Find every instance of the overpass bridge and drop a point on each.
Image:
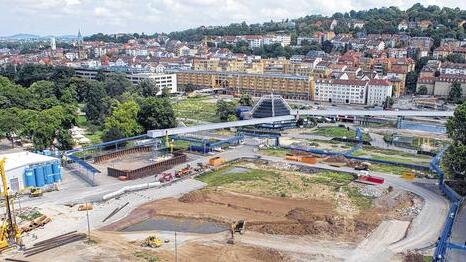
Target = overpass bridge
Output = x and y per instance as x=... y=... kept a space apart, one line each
x=294 y=115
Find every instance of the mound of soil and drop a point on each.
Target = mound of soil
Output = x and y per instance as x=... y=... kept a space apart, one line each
x=194 y=197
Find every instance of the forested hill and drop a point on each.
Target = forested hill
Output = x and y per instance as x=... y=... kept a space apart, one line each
x=446 y=22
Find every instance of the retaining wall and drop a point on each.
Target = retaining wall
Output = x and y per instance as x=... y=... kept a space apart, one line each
x=150 y=169
x=121 y=153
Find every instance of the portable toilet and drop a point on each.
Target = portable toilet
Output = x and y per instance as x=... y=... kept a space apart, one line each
x=29 y=178
x=56 y=172
x=39 y=175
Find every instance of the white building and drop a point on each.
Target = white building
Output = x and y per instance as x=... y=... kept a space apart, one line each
x=53 y=44
x=377 y=91
x=340 y=91
x=453 y=69
x=161 y=80
x=16 y=165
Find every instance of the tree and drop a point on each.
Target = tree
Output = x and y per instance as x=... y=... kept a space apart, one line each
x=456 y=152
x=12 y=95
x=388 y=103
x=225 y=109
x=147 y=87
x=44 y=92
x=11 y=124
x=411 y=81
x=456 y=58
x=123 y=120
x=156 y=113
x=422 y=90
x=327 y=46
x=116 y=84
x=166 y=92
x=456 y=93
x=246 y=100
x=188 y=88
x=95 y=106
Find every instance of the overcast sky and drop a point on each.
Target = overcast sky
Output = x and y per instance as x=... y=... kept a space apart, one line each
x=60 y=17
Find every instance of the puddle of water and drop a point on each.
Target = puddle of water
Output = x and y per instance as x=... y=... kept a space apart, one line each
x=178 y=225
x=235 y=170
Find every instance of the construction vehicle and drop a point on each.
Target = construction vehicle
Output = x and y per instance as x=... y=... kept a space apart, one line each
x=10 y=234
x=236 y=227
x=183 y=172
x=240 y=226
x=36 y=192
x=165 y=177
x=152 y=241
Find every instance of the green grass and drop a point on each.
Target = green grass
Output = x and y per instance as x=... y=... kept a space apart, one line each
x=392 y=155
x=96 y=137
x=333 y=179
x=277 y=152
x=427 y=259
x=219 y=178
x=359 y=200
x=146 y=256
x=178 y=144
x=334 y=131
x=196 y=108
x=396 y=170
x=342 y=181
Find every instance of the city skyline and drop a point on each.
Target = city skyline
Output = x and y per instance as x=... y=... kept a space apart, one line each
x=66 y=17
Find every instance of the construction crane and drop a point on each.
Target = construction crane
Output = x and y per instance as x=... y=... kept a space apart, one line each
x=9 y=232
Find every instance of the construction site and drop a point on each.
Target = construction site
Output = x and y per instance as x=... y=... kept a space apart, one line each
x=330 y=192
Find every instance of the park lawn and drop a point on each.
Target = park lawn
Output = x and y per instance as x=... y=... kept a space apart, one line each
x=92 y=132
x=197 y=109
x=335 y=131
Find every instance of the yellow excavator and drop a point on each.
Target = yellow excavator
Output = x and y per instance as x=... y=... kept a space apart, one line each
x=152 y=241
x=10 y=235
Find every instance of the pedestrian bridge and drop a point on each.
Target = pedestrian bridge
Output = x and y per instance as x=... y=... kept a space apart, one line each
x=293 y=115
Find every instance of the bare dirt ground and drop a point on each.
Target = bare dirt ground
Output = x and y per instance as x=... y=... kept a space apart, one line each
x=269 y=215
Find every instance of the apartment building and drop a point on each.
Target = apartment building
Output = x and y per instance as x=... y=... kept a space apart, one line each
x=347 y=91
x=159 y=79
x=288 y=86
x=340 y=91
x=377 y=91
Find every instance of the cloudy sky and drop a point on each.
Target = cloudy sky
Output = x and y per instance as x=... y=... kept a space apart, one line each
x=58 y=17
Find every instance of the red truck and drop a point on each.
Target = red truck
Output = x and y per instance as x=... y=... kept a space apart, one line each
x=368 y=179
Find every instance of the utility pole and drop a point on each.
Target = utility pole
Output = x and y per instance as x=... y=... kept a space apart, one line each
x=176 y=249
x=88 y=225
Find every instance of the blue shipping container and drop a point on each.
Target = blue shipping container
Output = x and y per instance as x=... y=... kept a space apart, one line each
x=39 y=175
x=49 y=174
x=56 y=172
x=29 y=178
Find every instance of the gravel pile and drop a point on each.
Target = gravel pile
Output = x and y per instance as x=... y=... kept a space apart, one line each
x=371 y=190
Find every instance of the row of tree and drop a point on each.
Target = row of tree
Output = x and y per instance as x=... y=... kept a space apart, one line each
x=41 y=104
